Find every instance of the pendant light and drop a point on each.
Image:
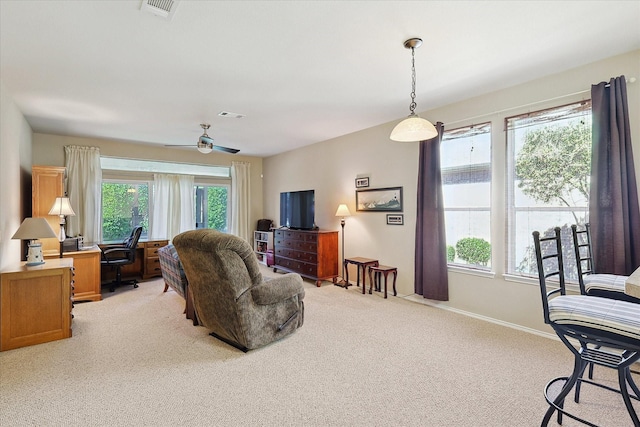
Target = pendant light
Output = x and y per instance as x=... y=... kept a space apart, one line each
x=413 y=128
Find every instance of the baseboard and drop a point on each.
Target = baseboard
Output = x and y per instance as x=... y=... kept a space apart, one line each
x=414 y=298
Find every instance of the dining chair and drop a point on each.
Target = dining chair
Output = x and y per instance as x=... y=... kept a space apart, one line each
x=606 y=331
x=592 y=283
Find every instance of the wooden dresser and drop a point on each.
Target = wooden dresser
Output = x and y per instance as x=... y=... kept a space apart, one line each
x=311 y=254
x=35 y=303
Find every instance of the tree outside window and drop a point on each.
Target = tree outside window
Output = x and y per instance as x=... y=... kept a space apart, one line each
x=550 y=161
x=212 y=207
x=125 y=205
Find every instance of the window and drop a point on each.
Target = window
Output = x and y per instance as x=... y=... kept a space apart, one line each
x=212 y=207
x=466 y=185
x=124 y=205
x=548 y=170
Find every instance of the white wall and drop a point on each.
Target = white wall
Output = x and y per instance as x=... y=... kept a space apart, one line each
x=330 y=168
x=15 y=176
x=49 y=150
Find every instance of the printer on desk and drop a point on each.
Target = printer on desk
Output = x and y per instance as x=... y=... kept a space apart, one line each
x=72 y=244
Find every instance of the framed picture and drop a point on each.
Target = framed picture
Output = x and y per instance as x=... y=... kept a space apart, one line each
x=395 y=219
x=379 y=200
x=362 y=182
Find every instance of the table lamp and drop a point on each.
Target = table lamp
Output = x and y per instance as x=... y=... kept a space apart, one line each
x=32 y=229
x=61 y=207
x=343 y=211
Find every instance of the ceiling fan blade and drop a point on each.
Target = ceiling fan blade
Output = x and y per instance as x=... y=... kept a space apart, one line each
x=206 y=139
x=181 y=145
x=226 y=149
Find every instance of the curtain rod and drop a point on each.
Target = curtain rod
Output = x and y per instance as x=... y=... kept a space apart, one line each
x=629 y=80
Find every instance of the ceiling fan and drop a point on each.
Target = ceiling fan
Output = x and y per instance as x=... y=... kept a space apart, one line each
x=205 y=143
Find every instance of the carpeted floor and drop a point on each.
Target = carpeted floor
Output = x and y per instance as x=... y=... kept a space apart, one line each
x=359 y=360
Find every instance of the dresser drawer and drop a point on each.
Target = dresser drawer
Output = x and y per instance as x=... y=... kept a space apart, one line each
x=152 y=266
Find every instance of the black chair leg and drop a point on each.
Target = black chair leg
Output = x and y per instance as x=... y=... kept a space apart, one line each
x=119 y=282
x=558 y=402
x=623 y=374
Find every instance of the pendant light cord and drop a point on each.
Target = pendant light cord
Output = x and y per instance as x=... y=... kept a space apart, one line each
x=413 y=104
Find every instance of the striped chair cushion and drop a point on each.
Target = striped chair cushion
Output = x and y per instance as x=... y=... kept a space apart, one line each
x=604 y=282
x=609 y=315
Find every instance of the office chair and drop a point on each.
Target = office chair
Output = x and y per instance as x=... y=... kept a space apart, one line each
x=121 y=255
x=607 y=331
x=592 y=283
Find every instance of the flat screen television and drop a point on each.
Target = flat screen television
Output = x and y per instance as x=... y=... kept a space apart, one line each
x=297 y=210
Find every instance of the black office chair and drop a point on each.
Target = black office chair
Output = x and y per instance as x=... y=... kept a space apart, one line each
x=599 y=325
x=592 y=283
x=118 y=256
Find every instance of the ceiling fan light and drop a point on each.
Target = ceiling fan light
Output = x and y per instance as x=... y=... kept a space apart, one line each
x=205 y=148
x=413 y=129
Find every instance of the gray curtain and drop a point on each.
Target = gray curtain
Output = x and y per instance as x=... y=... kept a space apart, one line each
x=613 y=206
x=432 y=280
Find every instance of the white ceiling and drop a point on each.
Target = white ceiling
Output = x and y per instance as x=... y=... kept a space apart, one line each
x=301 y=71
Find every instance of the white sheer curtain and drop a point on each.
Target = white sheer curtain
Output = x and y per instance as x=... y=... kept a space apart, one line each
x=240 y=200
x=173 y=205
x=84 y=189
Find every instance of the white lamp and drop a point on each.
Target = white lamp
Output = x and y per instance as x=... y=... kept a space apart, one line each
x=32 y=229
x=413 y=128
x=61 y=207
x=343 y=211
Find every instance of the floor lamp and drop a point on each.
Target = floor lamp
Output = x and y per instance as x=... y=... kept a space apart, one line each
x=343 y=211
x=62 y=207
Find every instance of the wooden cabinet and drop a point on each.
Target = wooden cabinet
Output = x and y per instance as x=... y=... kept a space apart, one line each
x=47 y=183
x=311 y=254
x=35 y=303
x=86 y=265
x=262 y=243
x=151 y=260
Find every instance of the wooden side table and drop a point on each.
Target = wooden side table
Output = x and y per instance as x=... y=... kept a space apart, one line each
x=360 y=263
x=375 y=272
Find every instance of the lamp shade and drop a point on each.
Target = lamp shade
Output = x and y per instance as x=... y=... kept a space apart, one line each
x=62 y=206
x=34 y=228
x=343 y=210
x=413 y=129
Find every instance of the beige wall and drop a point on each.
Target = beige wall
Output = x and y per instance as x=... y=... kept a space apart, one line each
x=49 y=150
x=15 y=176
x=331 y=167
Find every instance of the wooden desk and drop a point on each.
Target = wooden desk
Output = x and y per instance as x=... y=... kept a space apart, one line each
x=86 y=264
x=146 y=265
x=632 y=285
x=360 y=263
x=35 y=303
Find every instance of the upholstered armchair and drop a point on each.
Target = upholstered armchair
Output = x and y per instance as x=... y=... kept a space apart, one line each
x=174 y=278
x=229 y=293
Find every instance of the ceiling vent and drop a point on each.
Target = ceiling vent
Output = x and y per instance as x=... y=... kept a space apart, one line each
x=231 y=115
x=162 y=8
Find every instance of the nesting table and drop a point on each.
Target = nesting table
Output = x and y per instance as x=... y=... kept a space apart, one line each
x=375 y=273
x=361 y=264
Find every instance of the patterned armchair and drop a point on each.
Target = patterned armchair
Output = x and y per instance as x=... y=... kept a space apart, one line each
x=174 y=277
x=230 y=295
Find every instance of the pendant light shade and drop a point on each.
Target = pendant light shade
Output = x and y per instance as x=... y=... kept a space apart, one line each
x=414 y=128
